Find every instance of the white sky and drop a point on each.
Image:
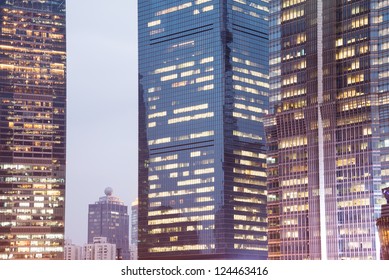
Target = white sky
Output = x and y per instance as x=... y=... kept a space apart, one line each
x=102 y=107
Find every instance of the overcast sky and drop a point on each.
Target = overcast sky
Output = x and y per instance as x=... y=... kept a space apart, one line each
x=102 y=126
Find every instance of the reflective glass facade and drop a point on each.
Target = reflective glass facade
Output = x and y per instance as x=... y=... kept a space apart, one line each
x=32 y=129
x=383 y=87
x=324 y=129
x=383 y=92
x=109 y=218
x=203 y=93
x=134 y=223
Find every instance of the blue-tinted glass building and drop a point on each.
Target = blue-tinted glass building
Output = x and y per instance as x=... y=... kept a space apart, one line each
x=203 y=92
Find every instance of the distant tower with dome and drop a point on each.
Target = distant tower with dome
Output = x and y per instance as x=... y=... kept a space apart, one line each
x=109 y=218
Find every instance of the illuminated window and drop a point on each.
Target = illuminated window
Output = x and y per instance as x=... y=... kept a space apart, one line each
x=169 y=77
x=174 y=9
x=206 y=60
x=154 y=23
x=191 y=118
x=293 y=13
x=198 y=2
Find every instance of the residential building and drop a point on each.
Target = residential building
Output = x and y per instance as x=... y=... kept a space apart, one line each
x=109 y=218
x=328 y=106
x=32 y=129
x=72 y=251
x=203 y=93
x=100 y=249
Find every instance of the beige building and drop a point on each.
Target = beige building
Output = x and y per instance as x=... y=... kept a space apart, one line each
x=72 y=251
x=100 y=249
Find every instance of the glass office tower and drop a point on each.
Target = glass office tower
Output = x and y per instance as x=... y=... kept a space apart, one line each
x=32 y=129
x=134 y=230
x=383 y=90
x=134 y=223
x=324 y=132
x=383 y=87
x=203 y=93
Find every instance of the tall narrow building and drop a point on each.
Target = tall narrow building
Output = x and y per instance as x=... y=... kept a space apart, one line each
x=32 y=129
x=109 y=218
x=134 y=231
x=323 y=132
x=203 y=93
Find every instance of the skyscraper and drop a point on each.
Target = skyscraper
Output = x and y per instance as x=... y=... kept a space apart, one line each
x=203 y=92
x=32 y=128
x=109 y=218
x=324 y=134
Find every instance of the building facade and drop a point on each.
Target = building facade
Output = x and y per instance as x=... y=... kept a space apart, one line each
x=72 y=251
x=383 y=227
x=324 y=132
x=32 y=129
x=134 y=231
x=109 y=218
x=203 y=93
x=100 y=249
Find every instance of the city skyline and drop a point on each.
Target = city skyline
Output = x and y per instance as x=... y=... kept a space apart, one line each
x=89 y=39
